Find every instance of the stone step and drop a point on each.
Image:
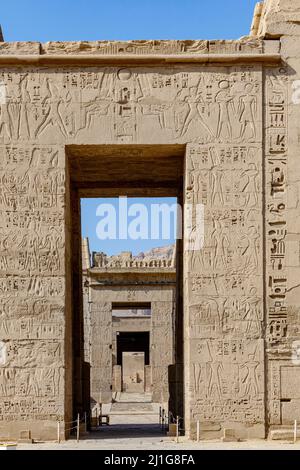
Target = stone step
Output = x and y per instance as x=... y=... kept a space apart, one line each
x=283 y=434
x=133 y=397
x=129 y=408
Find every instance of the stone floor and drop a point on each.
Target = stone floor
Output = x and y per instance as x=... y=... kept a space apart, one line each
x=144 y=441
x=134 y=425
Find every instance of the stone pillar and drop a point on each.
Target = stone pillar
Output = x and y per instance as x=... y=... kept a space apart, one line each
x=117 y=378
x=33 y=320
x=101 y=354
x=223 y=303
x=162 y=348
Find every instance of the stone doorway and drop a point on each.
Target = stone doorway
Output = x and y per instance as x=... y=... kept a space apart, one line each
x=133 y=372
x=113 y=171
x=133 y=359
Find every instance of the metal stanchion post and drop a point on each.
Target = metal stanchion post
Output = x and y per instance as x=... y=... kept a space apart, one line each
x=177 y=429
x=78 y=424
x=58 y=432
x=198 y=431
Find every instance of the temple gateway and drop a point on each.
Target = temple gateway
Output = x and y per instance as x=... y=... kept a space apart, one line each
x=211 y=333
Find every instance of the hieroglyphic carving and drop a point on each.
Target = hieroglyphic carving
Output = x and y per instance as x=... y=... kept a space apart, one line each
x=219 y=110
x=31 y=408
x=30 y=382
x=227 y=380
x=225 y=277
x=276 y=194
x=145 y=47
x=125 y=102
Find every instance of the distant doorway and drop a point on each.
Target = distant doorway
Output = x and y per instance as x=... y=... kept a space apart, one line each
x=133 y=357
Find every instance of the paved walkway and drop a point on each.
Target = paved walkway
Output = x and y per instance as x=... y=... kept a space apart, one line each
x=156 y=442
x=134 y=426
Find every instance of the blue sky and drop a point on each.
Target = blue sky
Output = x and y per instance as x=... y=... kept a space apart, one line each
x=67 y=20
x=91 y=221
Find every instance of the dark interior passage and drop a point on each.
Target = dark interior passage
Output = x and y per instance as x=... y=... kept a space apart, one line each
x=133 y=342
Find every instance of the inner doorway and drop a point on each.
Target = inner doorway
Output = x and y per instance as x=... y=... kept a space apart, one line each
x=133 y=358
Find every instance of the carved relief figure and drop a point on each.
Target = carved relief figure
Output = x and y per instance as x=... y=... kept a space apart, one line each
x=220 y=243
x=196 y=111
x=199 y=378
x=2 y=353
x=250 y=381
x=251 y=311
x=247 y=110
x=5 y=122
x=217 y=193
x=53 y=99
x=251 y=188
x=226 y=105
x=251 y=252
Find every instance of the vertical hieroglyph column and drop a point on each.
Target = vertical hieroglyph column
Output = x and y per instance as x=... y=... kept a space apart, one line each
x=281 y=18
x=276 y=167
x=224 y=346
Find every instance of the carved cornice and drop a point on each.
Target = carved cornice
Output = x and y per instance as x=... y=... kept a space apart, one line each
x=139 y=52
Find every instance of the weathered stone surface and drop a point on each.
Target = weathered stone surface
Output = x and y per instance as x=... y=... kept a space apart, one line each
x=92 y=122
x=144 y=284
x=20 y=48
x=280 y=18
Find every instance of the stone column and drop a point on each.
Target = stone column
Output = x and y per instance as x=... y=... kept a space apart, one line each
x=101 y=353
x=162 y=348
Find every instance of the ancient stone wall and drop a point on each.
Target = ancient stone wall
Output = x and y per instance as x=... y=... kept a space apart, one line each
x=103 y=338
x=235 y=106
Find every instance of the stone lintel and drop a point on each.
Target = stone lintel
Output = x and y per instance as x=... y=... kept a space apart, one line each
x=92 y=60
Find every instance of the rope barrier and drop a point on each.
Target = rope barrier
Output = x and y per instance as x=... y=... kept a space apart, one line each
x=76 y=428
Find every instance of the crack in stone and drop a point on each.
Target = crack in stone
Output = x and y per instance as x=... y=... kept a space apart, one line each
x=292 y=288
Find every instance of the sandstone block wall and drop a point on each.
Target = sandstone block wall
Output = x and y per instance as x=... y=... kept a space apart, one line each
x=234 y=106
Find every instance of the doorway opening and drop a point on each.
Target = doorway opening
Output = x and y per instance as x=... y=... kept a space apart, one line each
x=133 y=357
x=125 y=308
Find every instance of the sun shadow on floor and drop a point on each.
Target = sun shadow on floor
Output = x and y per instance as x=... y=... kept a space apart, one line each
x=125 y=431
